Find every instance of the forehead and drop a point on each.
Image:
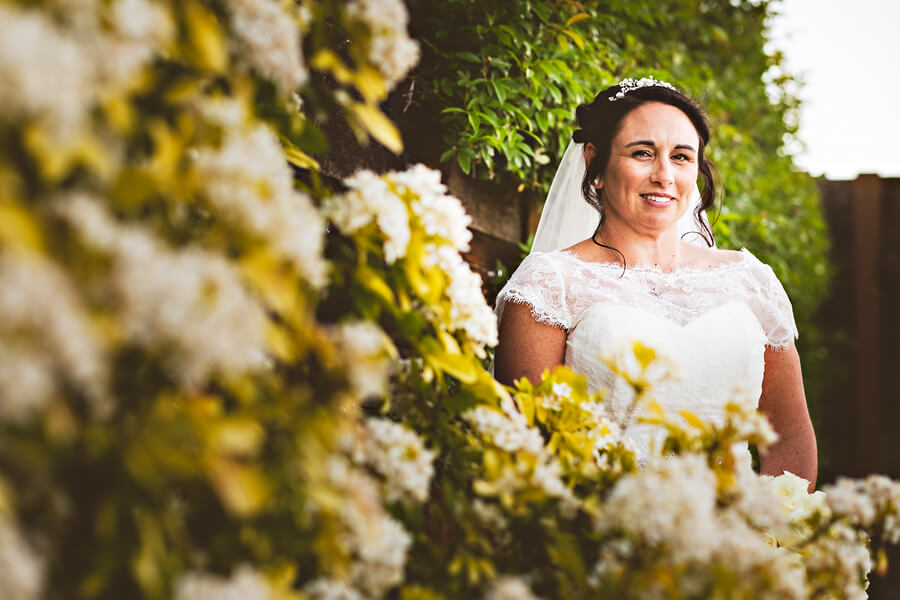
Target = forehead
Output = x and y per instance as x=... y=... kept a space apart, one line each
x=658 y=122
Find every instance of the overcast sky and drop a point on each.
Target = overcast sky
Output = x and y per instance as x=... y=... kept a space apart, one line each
x=848 y=54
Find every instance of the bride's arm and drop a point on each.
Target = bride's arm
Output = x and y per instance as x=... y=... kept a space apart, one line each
x=526 y=346
x=784 y=403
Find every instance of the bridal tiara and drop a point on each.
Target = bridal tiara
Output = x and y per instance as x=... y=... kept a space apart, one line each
x=629 y=85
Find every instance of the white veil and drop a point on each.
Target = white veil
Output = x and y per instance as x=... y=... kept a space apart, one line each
x=567 y=218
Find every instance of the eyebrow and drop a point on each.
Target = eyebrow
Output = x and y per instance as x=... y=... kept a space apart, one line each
x=649 y=143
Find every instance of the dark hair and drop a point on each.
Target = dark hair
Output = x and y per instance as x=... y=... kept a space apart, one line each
x=600 y=120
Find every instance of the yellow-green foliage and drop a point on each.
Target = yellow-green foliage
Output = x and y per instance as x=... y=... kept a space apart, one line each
x=203 y=395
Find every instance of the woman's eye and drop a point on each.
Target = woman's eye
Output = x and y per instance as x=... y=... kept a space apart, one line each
x=682 y=158
x=640 y=153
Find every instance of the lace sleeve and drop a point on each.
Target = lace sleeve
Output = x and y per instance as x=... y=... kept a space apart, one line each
x=538 y=283
x=771 y=305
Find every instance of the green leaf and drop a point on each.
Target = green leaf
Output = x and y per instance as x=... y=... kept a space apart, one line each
x=465 y=162
x=469 y=57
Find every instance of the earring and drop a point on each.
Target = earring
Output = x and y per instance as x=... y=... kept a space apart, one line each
x=596 y=181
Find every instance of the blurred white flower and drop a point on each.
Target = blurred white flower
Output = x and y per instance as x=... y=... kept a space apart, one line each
x=249 y=181
x=367 y=353
x=44 y=74
x=840 y=561
x=399 y=455
x=190 y=304
x=139 y=32
x=672 y=502
x=21 y=569
x=331 y=589
x=267 y=39
x=244 y=584
x=510 y=588
x=377 y=543
x=849 y=497
x=390 y=48
x=44 y=334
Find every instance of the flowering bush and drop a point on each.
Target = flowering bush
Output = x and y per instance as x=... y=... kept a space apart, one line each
x=203 y=395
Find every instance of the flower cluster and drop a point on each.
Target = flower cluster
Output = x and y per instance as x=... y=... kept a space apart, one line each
x=21 y=569
x=44 y=74
x=390 y=48
x=507 y=428
x=672 y=506
x=468 y=310
x=367 y=353
x=46 y=339
x=249 y=183
x=397 y=454
x=266 y=39
x=865 y=502
x=510 y=588
x=439 y=214
x=398 y=203
x=139 y=30
x=244 y=584
x=331 y=589
x=376 y=543
x=371 y=199
x=190 y=301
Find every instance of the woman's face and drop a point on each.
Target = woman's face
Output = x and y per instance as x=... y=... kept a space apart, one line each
x=652 y=169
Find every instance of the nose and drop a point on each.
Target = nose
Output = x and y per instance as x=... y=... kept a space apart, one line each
x=662 y=172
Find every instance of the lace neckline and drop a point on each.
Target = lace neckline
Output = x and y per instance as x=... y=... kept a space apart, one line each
x=654 y=270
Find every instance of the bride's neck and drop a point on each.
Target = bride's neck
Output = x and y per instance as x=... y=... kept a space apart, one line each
x=661 y=251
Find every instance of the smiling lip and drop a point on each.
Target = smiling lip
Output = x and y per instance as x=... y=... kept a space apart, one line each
x=657 y=199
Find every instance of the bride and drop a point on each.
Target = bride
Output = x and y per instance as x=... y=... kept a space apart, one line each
x=611 y=265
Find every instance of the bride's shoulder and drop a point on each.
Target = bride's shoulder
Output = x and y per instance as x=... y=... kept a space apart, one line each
x=704 y=259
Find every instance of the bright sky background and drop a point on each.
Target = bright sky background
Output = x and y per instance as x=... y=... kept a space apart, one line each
x=848 y=54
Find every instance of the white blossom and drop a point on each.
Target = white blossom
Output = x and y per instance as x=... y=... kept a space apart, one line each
x=45 y=332
x=367 y=353
x=670 y=511
x=390 y=48
x=267 y=39
x=848 y=497
x=507 y=429
x=510 y=588
x=376 y=543
x=44 y=74
x=399 y=455
x=244 y=584
x=840 y=560
x=139 y=32
x=250 y=182
x=331 y=589
x=440 y=214
x=370 y=198
x=21 y=569
x=671 y=502
x=189 y=303
x=796 y=501
x=468 y=310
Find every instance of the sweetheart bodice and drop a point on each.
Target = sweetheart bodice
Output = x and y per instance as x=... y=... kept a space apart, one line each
x=700 y=366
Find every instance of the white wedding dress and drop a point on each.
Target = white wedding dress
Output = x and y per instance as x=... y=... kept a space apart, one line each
x=712 y=325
